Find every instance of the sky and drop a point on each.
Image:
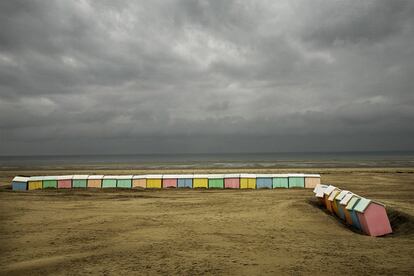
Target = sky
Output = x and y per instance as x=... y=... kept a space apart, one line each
x=181 y=76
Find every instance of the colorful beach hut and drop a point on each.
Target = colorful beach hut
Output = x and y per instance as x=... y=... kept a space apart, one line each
x=280 y=181
x=109 y=181
x=332 y=202
x=95 y=181
x=154 y=181
x=169 y=181
x=319 y=193
x=200 y=181
x=216 y=181
x=79 y=181
x=373 y=217
x=19 y=183
x=311 y=180
x=185 y=181
x=264 y=181
x=124 y=181
x=297 y=180
x=247 y=181
x=50 y=182
x=35 y=183
x=139 y=181
x=340 y=210
x=351 y=209
x=327 y=192
x=232 y=181
x=64 y=181
x=343 y=203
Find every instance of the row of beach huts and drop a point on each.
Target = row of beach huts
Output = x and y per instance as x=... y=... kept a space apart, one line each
x=365 y=215
x=158 y=181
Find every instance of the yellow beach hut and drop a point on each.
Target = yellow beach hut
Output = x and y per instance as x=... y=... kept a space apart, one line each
x=247 y=181
x=154 y=181
x=35 y=183
x=200 y=181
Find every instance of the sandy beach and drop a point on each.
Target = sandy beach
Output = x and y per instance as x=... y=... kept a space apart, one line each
x=190 y=232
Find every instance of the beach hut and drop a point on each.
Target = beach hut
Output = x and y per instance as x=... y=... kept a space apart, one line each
x=185 y=181
x=139 y=181
x=35 y=183
x=50 y=182
x=319 y=193
x=296 y=180
x=79 y=181
x=19 y=183
x=373 y=217
x=64 y=181
x=216 y=181
x=340 y=210
x=247 y=181
x=351 y=209
x=154 y=181
x=169 y=181
x=95 y=181
x=232 y=181
x=332 y=202
x=280 y=181
x=327 y=192
x=343 y=203
x=109 y=181
x=311 y=180
x=200 y=181
x=124 y=181
x=264 y=181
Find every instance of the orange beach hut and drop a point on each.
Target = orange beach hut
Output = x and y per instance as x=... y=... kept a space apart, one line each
x=139 y=181
x=95 y=181
x=311 y=180
x=343 y=203
x=327 y=192
x=340 y=212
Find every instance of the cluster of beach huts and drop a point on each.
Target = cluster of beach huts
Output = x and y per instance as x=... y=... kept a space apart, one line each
x=365 y=215
x=158 y=181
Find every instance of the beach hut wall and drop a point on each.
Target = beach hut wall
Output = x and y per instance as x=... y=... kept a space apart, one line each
x=154 y=181
x=200 y=181
x=232 y=181
x=216 y=181
x=296 y=181
x=64 y=181
x=264 y=181
x=169 y=181
x=247 y=181
x=332 y=202
x=19 y=183
x=350 y=207
x=79 y=181
x=280 y=181
x=139 y=181
x=50 y=182
x=185 y=181
x=340 y=210
x=343 y=203
x=311 y=180
x=373 y=217
x=95 y=181
x=35 y=183
x=124 y=181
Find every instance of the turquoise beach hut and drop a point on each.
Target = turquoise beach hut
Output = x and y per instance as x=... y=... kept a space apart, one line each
x=280 y=181
x=124 y=181
x=79 y=181
x=296 y=180
x=353 y=202
x=109 y=181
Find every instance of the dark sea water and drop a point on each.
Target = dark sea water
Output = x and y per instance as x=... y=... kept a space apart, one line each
x=220 y=160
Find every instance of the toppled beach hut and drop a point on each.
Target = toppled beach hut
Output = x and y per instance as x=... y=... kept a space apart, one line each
x=280 y=181
x=139 y=181
x=154 y=181
x=327 y=192
x=216 y=181
x=296 y=180
x=185 y=181
x=169 y=181
x=200 y=181
x=340 y=210
x=79 y=181
x=319 y=193
x=311 y=180
x=35 y=183
x=232 y=181
x=19 y=183
x=124 y=181
x=50 y=182
x=247 y=181
x=351 y=209
x=343 y=203
x=332 y=202
x=264 y=181
x=95 y=181
x=109 y=181
x=373 y=217
x=64 y=181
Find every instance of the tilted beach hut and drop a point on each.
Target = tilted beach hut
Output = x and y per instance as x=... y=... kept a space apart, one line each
x=200 y=181
x=124 y=181
x=351 y=209
x=343 y=203
x=280 y=181
x=373 y=217
x=139 y=181
x=264 y=181
x=109 y=181
x=247 y=181
x=50 y=182
x=216 y=181
x=331 y=199
x=327 y=192
x=232 y=181
x=64 y=181
x=311 y=180
x=340 y=210
x=154 y=181
x=297 y=180
x=319 y=193
x=35 y=183
x=19 y=183
x=95 y=181
x=185 y=181
x=169 y=181
x=79 y=181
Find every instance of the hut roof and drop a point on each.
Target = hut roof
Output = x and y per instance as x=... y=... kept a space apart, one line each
x=215 y=176
x=329 y=189
x=296 y=175
x=280 y=175
x=319 y=187
x=139 y=176
x=96 y=176
x=334 y=194
x=154 y=176
x=50 y=177
x=36 y=178
x=64 y=177
x=124 y=176
x=352 y=203
x=313 y=175
x=248 y=175
x=364 y=203
x=346 y=198
x=200 y=176
x=20 y=179
x=232 y=175
x=341 y=195
x=264 y=175
x=80 y=176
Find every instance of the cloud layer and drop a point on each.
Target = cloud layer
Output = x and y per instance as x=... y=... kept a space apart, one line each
x=195 y=76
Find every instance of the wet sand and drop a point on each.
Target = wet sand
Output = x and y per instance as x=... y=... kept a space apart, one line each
x=190 y=232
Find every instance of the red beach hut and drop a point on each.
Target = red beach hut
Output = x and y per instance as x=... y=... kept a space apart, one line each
x=64 y=181
x=373 y=218
x=232 y=181
x=169 y=181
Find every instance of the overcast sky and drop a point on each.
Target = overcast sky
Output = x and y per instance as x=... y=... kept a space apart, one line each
x=206 y=76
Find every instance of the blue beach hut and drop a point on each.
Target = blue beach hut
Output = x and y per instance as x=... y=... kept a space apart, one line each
x=185 y=181
x=19 y=183
x=264 y=181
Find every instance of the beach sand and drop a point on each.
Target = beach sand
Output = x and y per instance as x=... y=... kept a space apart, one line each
x=191 y=232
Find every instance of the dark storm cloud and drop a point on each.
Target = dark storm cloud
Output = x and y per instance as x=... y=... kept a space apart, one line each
x=172 y=76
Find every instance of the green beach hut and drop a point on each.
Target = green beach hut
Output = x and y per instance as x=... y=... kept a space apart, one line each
x=297 y=180
x=79 y=181
x=124 y=181
x=280 y=181
x=109 y=181
x=50 y=182
x=216 y=181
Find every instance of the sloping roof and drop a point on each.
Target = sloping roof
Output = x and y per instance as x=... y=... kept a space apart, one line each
x=319 y=187
x=352 y=203
x=346 y=198
x=329 y=189
x=341 y=195
x=127 y=177
x=139 y=176
x=20 y=179
x=334 y=194
x=362 y=205
x=50 y=177
x=319 y=193
x=170 y=176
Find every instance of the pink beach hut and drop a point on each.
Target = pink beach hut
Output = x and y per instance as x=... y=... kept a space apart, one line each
x=232 y=181
x=373 y=218
x=169 y=181
x=64 y=181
